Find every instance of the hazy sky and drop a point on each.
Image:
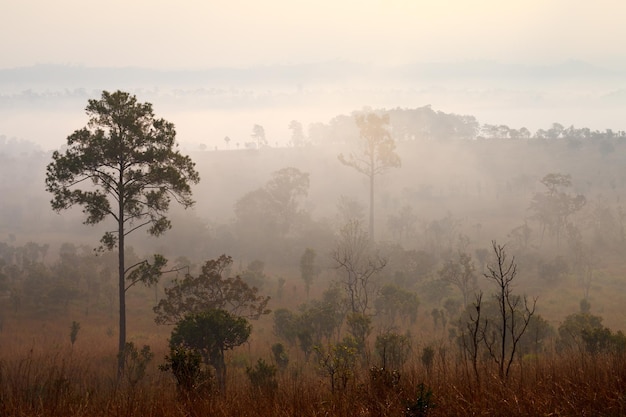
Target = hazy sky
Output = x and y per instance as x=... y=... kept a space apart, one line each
x=190 y=34
x=202 y=34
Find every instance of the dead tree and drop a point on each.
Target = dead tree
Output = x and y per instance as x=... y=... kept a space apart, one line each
x=353 y=256
x=514 y=312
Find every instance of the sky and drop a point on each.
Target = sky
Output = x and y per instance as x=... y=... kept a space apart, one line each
x=200 y=34
x=204 y=34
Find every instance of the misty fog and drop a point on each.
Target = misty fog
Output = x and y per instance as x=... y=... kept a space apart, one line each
x=334 y=208
x=277 y=194
x=209 y=105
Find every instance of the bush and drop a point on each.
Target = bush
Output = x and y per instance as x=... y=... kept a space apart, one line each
x=602 y=340
x=263 y=377
x=186 y=365
x=135 y=362
x=422 y=404
x=280 y=356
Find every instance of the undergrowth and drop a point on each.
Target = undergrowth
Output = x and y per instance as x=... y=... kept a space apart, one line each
x=72 y=385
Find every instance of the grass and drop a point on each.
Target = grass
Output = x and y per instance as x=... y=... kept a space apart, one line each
x=41 y=374
x=69 y=383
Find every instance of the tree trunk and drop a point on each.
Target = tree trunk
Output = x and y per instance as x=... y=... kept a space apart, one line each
x=220 y=370
x=371 y=230
x=122 y=296
x=121 y=283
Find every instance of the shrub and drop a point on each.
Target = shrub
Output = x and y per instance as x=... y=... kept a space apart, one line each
x=186 y=365
x=280 y=356
x=135 y=362
x=263 y=377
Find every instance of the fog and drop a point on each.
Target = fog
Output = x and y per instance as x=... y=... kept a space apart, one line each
x=374 y=176
x=529 y=162
x=43 y=104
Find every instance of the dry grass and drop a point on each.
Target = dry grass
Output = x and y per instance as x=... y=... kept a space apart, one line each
x=70 y=384
x=41 y=375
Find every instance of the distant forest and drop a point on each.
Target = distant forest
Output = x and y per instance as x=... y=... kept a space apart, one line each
x=417 y=124
x=446 y=158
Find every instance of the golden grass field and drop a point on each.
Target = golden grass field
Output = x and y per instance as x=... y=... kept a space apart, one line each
x=41 y=374
x=60 y=382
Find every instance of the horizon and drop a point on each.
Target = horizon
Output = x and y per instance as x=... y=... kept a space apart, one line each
x=522 y=64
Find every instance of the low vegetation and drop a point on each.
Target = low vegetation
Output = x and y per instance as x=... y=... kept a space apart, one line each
x=75 y=384
x=285 y=309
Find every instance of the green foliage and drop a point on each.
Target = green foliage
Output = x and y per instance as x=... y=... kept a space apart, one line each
x=359 y=327
x=145 y=272
x=135 y=362
x=210 y=290
x=211 y=333
x=316 y=322
x=602 y=340
x=338 y=362
x=421 y=406
x=573 y=328
x=321 y=318
x=263 y=377
x=393 y=349
x=186 y=366
x=286 y=325
x=125 y=166
x=537 y=336
x=130 y=159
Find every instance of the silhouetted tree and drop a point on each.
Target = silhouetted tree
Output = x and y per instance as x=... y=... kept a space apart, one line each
x=211 y=289
x=127 y=164
x=354 y=257
x=394 y=302
x=308 y=268
x=274 y=208
x=553 y=208
x=258 y=134
x=376 y=156
x=211 y=333
x=514 y=312
x=461 y=274
x=297 y=133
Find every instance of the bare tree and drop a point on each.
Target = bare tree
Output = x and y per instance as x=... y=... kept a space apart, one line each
x=472 y=335
x=353 y=255
x=514 y=312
